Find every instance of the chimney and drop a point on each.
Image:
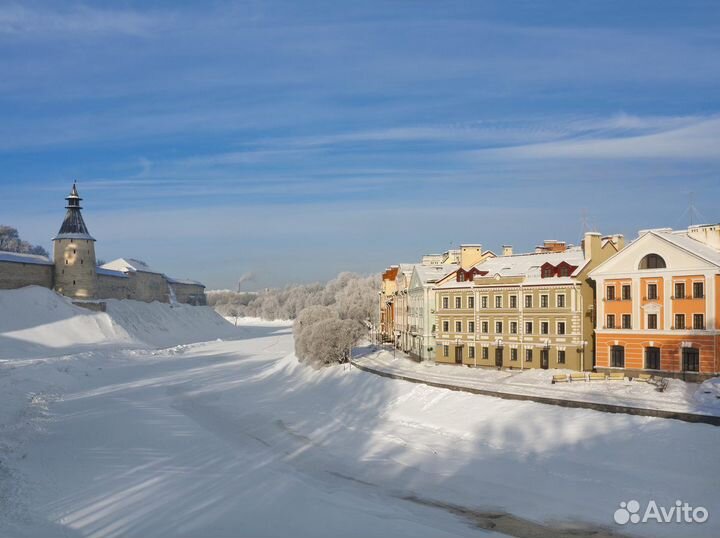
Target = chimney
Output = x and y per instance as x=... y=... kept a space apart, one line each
x=592 y=243
x=507 y=250
x=470 y=255
x=708 y=234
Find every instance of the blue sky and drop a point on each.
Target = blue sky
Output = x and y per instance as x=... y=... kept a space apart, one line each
x=295 y=139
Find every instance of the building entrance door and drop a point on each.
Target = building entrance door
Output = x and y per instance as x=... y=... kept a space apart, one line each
x=544 y=358
x=499 y=357
x=458 y=354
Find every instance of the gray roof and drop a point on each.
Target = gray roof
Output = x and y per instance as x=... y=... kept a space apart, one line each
x=73 y=227
x=110 y=272
x=16 y=257
x=130 y=265
x=184 y=281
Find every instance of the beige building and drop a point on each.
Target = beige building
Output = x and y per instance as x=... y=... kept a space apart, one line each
x=523 y=311
x=74 y=272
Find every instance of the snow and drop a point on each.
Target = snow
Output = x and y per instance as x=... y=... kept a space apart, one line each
x=234 y=437
x=679 y=396
x=37 y=322
x=17 y=257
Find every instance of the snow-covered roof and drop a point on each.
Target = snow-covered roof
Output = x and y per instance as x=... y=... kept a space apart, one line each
x=16 y=257
x=110 y=272
x=681 y=239
x=433 y=273
x=527 y=266
x=184 y=281
x=129 y=265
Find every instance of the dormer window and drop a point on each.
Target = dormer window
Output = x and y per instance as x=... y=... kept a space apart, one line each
x=547 y=271
x=461 y=276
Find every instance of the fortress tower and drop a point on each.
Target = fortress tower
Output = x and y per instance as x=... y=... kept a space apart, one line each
x=74 y=253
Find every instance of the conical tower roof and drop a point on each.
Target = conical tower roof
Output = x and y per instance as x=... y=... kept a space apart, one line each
x=73 y=227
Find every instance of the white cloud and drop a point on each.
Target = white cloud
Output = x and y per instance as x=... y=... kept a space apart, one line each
x=698 y=140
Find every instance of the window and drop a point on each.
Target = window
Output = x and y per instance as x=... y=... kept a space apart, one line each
x=679 y=290
x=626 y=318
x=561 y=356
x=698 y=321
x=81 y=261
x=458 y=302
x=652 y=358
x=617 y=357
x=626 y=292
x=560 y=301
x=679 y=321
x=528 y=355
x=528 y=327
x=548 y=271
x=483 y=301
x=471 y=351
x=485 y=327
x=691 y=359
x=471 y=302
x=544 y=327
x=513 y=327
x=458 y=326
x=73 y=282
x=461 y=276
x=446 y=326
x=652 y=292
x=610 y=293
x=471 y=326
x=652 y=321
x=698 y=290
x=610 y=324
x=446 y=351
x=528 y=301
x=498 y=301
x=561 y=327
x=513 y=354
x=543 y=301
x=563 y=270
x=445 y=301
x=652 y=261
x=513 y=301
x=485 y=352
x=498 y=327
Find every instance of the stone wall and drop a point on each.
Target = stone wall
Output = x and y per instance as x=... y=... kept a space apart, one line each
x=187 y=293
x=114 y=287
x=17 y=275
x=150 y=287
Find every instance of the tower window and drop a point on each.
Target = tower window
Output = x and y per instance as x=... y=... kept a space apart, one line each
x=73 y=282
x=66 y=262
x=81 y=262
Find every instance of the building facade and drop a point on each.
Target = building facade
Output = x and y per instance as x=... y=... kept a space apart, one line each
x=73 y=272
x=523 y=311
x=658 y=304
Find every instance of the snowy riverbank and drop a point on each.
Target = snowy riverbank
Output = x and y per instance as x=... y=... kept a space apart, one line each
x=678 y=397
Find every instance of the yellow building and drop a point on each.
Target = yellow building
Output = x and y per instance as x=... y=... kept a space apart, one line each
x=523 y=311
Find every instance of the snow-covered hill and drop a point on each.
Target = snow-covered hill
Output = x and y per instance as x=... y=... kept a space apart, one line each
x=36 y=322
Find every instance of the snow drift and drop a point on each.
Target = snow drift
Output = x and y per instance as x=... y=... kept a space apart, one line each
x=37 y=322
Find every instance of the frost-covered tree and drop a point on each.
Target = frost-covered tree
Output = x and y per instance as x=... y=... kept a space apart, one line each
x=10 y=242
x=321 y=337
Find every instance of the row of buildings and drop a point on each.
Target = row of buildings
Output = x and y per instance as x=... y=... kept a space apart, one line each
x=74 y=272
x=647 y=307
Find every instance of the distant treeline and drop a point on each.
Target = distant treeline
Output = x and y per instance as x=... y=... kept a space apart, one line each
x=353 y=296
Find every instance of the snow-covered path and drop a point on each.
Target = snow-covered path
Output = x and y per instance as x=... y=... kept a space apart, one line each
x=234 y=438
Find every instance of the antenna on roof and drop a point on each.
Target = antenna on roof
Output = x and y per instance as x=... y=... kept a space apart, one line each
x=692 y=212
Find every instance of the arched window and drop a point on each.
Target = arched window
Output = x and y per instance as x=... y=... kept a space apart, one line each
x=652 y=261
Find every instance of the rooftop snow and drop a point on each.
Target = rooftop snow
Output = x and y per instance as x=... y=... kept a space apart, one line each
x=17 y=257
